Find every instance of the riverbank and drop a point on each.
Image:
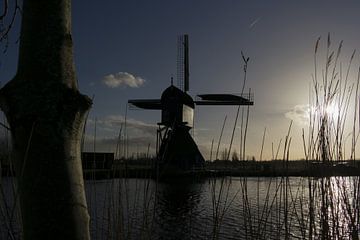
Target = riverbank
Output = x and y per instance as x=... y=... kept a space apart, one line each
x=226 y=168
x=318 y=172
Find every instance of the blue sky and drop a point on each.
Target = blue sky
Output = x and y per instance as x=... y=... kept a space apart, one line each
x=132 y=44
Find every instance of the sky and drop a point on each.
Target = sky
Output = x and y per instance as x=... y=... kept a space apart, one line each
x=127 y=50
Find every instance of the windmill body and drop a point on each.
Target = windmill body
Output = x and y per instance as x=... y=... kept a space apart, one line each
x=177 y=150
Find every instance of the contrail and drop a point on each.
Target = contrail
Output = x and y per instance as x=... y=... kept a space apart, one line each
x=254 y=22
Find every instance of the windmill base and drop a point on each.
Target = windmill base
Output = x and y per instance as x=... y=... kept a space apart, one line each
x=179 y=153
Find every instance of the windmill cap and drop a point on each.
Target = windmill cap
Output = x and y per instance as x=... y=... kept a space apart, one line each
x=174 y=94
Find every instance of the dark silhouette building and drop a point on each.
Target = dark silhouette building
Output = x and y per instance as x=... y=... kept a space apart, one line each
x=177 y=149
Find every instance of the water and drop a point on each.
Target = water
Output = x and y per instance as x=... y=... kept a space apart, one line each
x=222 y=208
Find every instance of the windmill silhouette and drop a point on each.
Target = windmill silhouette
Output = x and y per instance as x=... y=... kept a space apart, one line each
x=176 y=149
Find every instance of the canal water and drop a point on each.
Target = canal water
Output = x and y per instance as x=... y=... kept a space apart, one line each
x=213 y=208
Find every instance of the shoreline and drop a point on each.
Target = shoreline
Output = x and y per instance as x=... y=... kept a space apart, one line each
x=317 y=171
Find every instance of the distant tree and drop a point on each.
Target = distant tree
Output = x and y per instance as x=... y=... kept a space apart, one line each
x=224 y=154
x=46 y=115
x=235 y=156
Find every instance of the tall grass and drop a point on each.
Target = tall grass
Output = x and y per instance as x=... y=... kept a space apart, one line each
x=10 y=218
x=332 y=201
x=258 y=208
x=282 y=207
x=319 y=208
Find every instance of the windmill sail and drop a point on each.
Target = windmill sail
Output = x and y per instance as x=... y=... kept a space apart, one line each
x=224 y=99
x=183 y=62
x=150 y=104
x=177 y=150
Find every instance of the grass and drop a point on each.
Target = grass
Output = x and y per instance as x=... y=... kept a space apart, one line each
x=249 y=208
x=332 y=201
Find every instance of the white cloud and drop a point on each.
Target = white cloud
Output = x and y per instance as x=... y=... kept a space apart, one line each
x=299 y=114
x=139 y=134
x=112 y=123
x=109 y=144
x=123 y=79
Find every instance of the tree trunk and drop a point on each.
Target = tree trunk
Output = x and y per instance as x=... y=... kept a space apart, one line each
x=46 y=114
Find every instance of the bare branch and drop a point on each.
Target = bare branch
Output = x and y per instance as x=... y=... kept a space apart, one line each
x=6 y=8
x=4 y=33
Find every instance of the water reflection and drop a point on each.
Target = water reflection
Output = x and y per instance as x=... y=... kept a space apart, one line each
x=255 y=208
x=178 y=209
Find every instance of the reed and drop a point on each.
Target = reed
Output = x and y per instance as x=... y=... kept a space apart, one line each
x=332 y=216
x=325 y=208
x=10 y=218
x=278 y=208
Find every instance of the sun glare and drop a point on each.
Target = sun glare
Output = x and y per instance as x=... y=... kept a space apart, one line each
x=332 y=110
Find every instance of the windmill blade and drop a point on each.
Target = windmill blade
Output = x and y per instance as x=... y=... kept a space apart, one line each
x=150 y=104
x=224 y=99
x=183 y=62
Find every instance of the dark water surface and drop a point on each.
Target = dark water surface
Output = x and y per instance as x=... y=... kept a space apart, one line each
x=221 y=208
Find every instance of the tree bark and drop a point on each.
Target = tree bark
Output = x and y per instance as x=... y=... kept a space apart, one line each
x=46 y=115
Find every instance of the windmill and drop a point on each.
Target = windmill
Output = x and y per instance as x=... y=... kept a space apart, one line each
x=176 y=149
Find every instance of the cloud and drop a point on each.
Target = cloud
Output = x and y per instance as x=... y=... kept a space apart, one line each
x=112 y=123
x=138 y=134
x=123 y=79
x=109 y=144
x=299 y=114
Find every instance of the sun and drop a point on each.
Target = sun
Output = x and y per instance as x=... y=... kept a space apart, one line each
x=332 y=111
